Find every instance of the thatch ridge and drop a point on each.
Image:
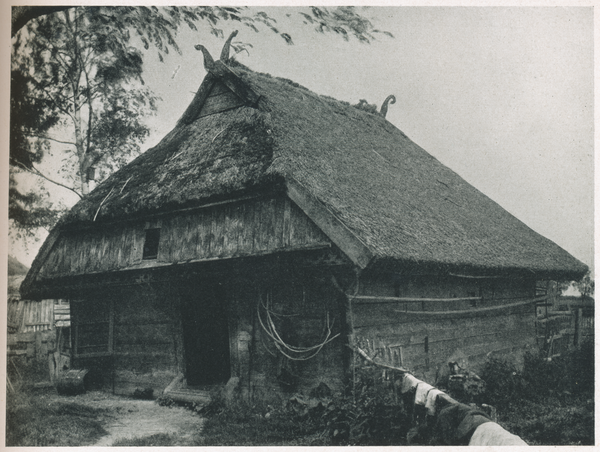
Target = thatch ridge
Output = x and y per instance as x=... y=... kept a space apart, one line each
x=396 y=198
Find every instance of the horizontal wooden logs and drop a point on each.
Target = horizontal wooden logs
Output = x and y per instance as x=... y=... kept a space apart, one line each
x=475 y=312
x=373 y=299
x=376 y=299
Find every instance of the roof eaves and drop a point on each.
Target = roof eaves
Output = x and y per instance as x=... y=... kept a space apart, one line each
x=31 y=277
x=330 y=224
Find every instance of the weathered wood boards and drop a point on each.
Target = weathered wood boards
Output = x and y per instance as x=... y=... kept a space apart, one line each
x=255 y=227
x=422 y=333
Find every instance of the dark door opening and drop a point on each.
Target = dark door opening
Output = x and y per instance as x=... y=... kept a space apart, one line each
x=206 y=336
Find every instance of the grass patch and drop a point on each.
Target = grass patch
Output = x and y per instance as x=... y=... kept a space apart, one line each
x=248 y=427
x=33 y=420
x=552 y=422
x=158 y=440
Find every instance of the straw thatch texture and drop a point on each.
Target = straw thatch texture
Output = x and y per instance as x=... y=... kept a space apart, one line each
x=398 y=200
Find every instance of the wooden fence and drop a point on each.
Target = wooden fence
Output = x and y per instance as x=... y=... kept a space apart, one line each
x=558 y=331
x=39 y=330
x=26 y=316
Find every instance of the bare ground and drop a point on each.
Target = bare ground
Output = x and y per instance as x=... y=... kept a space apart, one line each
x=128 y=418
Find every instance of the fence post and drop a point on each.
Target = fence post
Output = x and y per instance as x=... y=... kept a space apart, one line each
x=578 y=319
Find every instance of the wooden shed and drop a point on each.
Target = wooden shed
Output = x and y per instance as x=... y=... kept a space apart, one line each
x=272 y=231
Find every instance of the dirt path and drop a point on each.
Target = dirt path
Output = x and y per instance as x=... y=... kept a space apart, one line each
x=128 y=418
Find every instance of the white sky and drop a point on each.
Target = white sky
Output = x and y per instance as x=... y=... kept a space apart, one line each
x=503 y=96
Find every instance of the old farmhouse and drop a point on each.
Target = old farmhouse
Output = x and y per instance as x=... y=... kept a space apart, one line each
x=272 y=231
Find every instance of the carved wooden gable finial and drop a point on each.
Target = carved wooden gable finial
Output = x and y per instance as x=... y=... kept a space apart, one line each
x=209 y=62
x=225 y=52
x=391 y=99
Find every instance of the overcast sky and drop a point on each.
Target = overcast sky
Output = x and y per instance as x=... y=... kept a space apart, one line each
x=503 y=96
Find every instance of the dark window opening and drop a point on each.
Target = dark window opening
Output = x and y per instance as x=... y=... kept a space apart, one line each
x=151 y=244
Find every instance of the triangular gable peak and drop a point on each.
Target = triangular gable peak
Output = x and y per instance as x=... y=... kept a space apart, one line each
x=221 y=89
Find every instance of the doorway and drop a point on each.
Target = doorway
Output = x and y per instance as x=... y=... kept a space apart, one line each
x=206 y=336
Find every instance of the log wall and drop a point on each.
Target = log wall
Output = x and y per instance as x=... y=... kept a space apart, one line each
x=146 y=344
x=299 y=309
x=423 y=335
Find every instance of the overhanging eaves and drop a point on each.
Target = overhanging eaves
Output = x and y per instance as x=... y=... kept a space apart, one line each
x=332 y=226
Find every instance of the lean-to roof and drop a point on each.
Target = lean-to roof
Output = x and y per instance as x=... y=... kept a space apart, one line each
x=395 y=199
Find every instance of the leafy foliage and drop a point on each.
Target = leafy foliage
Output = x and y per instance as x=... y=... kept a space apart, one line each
x=548 y=402
x=586 y=285
x=245 y=424
x=368 y=415
x=81 y=65
x=344 y=21
x=29 y=211
x=540 y=377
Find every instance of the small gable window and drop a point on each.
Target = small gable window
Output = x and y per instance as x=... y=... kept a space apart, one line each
x=151 y=243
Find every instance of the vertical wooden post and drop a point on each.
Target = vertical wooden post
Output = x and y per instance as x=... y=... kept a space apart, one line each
x=578 y=319
x=426 y=352
x=111 y=322
x=38 y=344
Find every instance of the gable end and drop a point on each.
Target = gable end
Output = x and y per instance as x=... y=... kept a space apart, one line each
x=220 y=98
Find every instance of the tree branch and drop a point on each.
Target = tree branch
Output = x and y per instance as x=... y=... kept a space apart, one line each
x=385 y=366
x=33 y=170
x=49 y=138
x=23 y=14
x=56 y=104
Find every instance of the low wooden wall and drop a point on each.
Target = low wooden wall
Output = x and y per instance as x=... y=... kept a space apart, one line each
x=423 y=321
x=422 y=343
x=299 y=308
x=38 y=331
x=145 y=347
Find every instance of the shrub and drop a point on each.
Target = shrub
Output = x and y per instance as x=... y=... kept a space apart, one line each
x=581 y=367
x=503 y=382
x=369 y=414
x=550 y=402
x=572 y=373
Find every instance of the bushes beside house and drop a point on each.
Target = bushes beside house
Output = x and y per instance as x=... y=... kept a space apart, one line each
x=548 y=402
x=545 y=403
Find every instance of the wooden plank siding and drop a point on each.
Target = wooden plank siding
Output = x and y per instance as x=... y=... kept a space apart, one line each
x=425 y=345
x=253 y=227
x=442 y=319
x=25 y=316
x=145 y=346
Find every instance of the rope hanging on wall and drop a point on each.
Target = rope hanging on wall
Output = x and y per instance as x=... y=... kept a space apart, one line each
x=289 y=351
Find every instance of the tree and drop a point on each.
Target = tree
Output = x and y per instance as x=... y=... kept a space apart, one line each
x=585 y=285
x=78 y=72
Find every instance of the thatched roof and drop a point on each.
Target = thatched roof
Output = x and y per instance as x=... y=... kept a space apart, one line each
x=395 y=199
